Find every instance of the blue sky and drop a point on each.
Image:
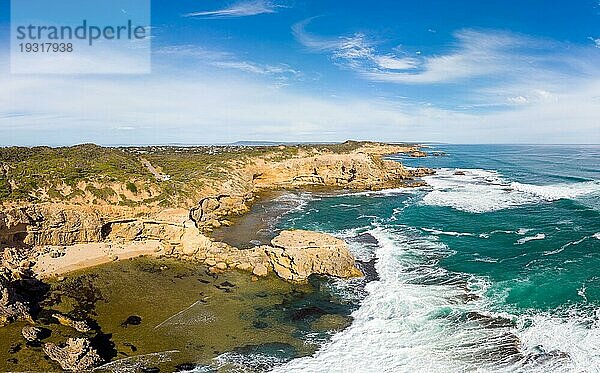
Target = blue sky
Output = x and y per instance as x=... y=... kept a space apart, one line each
x=427 y=71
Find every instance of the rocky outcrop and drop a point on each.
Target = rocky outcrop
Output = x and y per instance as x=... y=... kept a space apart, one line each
x=293 y=256
x=211 y=210
x=353 y=171
x=79 y=325
x=31 y=333
x=76 y=355
x=297 y=254
x=12 y=306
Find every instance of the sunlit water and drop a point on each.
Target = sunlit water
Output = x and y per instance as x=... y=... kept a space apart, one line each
x=494 y=267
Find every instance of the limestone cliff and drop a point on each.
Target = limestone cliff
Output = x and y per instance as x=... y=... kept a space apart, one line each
x=201 y=201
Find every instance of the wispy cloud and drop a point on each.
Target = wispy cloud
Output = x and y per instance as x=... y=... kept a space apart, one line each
x=475 y=54
x=596 y=41
x=226 y=60
x=357 y=52
x=239 y=9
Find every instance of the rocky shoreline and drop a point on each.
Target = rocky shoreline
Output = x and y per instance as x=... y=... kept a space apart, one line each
x=50 y=239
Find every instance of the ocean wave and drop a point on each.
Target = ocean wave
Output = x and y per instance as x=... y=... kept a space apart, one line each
x=573 y=334
x=439 y=232
x=417 y=317
x=480 y=191
x=572 y=243
x=539 y=236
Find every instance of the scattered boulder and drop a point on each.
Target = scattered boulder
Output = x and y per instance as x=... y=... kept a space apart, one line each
x=79 y=325
x=417 y=154
x=76 y=355
x=132 y=320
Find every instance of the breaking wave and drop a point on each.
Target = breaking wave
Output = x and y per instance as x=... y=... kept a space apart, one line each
x=479 y=191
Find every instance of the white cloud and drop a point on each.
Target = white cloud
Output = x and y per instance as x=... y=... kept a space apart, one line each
x=596 y=41
x=226 y=60
x=394 y=63
x=239 y=9
x=205 y=106
x=357 y=52
x=475 y=54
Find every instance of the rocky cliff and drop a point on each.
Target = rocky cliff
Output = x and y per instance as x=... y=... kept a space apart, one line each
x=228 y=187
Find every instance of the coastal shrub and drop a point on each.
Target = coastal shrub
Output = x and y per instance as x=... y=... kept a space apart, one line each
x=132 y=187
x=4 y=188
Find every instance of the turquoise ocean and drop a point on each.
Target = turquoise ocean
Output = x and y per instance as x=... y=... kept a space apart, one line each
x=495 y=266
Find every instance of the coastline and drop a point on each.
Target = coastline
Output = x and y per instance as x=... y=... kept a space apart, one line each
x=230 y=229
x=218 y=221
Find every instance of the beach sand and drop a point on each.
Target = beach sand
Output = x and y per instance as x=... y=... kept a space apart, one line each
x=59 y=260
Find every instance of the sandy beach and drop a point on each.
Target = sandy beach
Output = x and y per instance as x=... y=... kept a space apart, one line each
x=59 y=260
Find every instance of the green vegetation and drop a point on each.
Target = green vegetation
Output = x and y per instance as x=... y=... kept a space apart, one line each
x=42 y=174
x=132 y=187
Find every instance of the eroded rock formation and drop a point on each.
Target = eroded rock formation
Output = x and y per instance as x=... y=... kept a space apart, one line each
x=76 y=355
x=293 y=256
x=12 y=306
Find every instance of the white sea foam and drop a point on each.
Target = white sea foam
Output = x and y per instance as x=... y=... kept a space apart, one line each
x=451 y=233
x=479 y=191
x=552 y=252
x=404 y=326
x=523 y=231
x=575 y=335
x=596 y=235
x=539 y=236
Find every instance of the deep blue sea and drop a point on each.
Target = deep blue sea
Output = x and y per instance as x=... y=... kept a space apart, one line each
x=495 y=266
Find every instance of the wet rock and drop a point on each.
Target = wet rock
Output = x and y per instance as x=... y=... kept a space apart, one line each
x=542 y=357
x=131 y=346
x=306 y=313
x=260 y=324
x=184 y=366
x=459 y=173
x=76 y=355
x=14 y=348
x=150 y=370
x=331 y=322
x=79 y=325
x=488 y=321
x=227 y=284
x=32 y=333
x=132 y=320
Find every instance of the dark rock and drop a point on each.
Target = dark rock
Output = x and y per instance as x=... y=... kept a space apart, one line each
x=306 y=313
x=260 y=324
x=489 y=321
x=150 y=370
x=132 y=320
x=184 y=366
x=131 y=346
x=14 y=348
